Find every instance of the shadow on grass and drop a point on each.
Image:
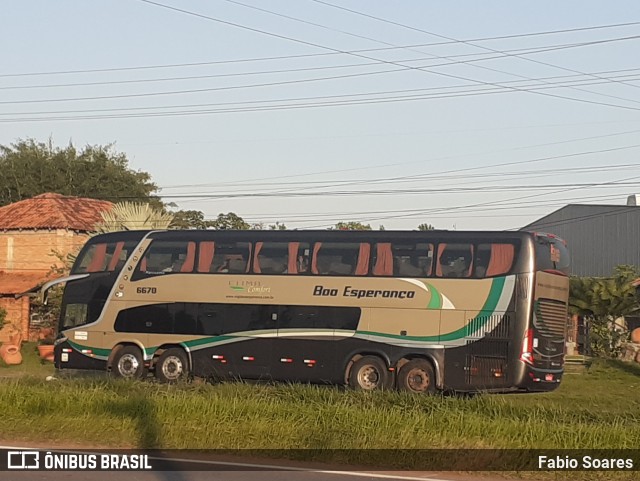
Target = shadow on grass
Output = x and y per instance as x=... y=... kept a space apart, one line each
x=137 y=406
x=630 y=368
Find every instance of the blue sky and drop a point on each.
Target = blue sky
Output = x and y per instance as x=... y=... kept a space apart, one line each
x=465 y=115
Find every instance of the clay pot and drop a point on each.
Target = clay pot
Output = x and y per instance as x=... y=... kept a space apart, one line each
x=46 y=352
x=635 y=335
x=10 y=354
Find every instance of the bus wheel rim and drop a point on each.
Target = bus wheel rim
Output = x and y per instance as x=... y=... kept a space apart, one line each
x=368 y=377
x=418 y=380
x=128 y=365
x=172 y=367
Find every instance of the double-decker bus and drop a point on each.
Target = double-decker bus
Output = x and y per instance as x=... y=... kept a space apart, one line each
x=418 y=311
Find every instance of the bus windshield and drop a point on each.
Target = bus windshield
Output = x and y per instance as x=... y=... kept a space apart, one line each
x=103 y=256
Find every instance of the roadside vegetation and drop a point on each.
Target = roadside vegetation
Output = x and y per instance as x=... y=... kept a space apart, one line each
x=597 y=409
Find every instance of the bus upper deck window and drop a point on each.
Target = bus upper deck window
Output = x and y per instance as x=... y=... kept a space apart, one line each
x=231 y=258
x=412 y=260
x=340 y=259
x=454 y=260
x=494 y=259
x=271 y=258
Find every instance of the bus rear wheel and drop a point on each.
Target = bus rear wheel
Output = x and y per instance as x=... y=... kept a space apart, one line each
x=417 y=376
x=128 y=363
x=172 y=366
x=368 y=374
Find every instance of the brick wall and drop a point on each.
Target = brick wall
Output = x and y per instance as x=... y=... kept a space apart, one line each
x=17 y=316
x=27 y=250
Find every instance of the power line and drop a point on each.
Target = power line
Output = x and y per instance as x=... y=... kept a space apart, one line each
x=359 y=97
x=395 y=164
x=492 y=203
x=432 y=34
x=430 y=177
x=305 y=217
x=504 y=85
x=529 y=50
x=324 y=54
x=466 y=42
x=312 y=44
x=288 y=106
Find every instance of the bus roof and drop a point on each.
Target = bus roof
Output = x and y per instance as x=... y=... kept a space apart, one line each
x=311 y=235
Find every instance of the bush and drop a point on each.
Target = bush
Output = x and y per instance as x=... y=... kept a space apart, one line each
x=606 y=337
x=3 y=317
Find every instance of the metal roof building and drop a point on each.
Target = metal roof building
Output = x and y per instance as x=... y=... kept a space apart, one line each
x=599 y=237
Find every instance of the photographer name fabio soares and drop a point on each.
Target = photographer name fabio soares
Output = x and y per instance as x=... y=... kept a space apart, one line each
x=584 y=463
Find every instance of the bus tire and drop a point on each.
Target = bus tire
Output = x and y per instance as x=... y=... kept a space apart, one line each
x=369 y=373
x=172 y=366
x=417 y=376
x=128 y=363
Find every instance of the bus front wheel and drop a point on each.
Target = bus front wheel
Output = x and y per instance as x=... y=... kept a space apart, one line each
x=369 y=373
x=172 y=366
x=128 y=363
x=417 y=376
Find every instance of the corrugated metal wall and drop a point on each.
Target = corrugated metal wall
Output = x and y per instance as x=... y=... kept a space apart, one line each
x=599 y=237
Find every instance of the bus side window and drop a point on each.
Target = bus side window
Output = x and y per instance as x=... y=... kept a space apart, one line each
x=271 y=258
x=231 y=258
x=340 y=259
x=483 y=257
x=500 y=259
x=454 y=260
x=164 y=257
x=302 y=255
x=412 y=260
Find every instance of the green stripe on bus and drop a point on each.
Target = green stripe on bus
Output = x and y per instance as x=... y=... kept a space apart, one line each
x=207 y=340
x=94 y=350
x=436 y=298
x=477 y=322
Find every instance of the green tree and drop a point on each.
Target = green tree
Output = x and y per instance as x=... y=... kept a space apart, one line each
x=3 y=317
x=425 y=227
x=353 y=225
x=30 y=168
x=190 y=219
x=602 y=301
x=230 y=221
x=277 y=226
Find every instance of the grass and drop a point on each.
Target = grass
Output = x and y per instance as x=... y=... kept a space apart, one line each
x=599 y=409
x=31 y=364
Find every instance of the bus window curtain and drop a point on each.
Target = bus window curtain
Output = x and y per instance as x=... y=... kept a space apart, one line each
x=501 y=259
x=205 y=256
x=292 y=262
x=256 y=259
x=247 y=268
x=314 y=260
x=468 y=274
x=98 y=258
x=116 y=256
x=190 y=260
x=441 y=249
x=384 y=260
x=362 y=268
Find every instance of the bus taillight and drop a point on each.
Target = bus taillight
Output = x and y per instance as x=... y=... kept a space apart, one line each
x=527 y=347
